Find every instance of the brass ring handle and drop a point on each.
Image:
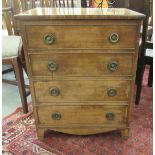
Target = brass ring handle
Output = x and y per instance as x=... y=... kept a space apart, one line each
x=114 y=38
x=56 y=116
x=110 y=116
x=112 y=66
x=49 y=38
x=112 y=92
x=52 y=65
x=54 y=91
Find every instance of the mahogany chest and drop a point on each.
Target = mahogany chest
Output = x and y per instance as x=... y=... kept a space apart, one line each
x=81 y=65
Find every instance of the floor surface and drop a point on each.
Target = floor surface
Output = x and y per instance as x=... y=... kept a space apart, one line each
x=10 y=94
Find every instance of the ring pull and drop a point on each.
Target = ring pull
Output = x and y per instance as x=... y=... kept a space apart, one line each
x=54 y=91
x=112 y=92
x=112 y=66
x=52 y=65
x=56 y=116
x=114 y=38
x=110 y=116
x=49 y=38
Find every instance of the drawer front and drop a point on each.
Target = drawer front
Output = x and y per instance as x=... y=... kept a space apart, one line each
x=84 y=115
x=82 y=90
x=91 y=36
x=82 y=64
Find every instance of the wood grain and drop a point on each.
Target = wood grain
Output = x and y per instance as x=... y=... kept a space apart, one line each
x=88 y=36
x=92 y=90
x=81 y=64
x=79 y=13
x=85 y=130
x=82 y=115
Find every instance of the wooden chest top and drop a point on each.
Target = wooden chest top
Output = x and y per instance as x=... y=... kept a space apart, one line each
x=79 y=13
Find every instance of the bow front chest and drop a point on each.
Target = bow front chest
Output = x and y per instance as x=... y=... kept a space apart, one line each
x=81 y=65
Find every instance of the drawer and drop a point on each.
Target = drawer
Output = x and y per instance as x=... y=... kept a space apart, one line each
x=84 y=115
x=85 y=36
x=81 y=64
x=82 y=90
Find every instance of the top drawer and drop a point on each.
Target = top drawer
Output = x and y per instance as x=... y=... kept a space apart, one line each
x=81 y=36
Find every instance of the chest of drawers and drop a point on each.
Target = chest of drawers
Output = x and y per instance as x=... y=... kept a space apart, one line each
x=81 y=65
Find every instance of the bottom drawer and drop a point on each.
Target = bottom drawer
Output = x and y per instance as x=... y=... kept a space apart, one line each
x=83 y=115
